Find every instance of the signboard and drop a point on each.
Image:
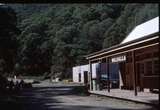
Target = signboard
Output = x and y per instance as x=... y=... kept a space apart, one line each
x=118 y=59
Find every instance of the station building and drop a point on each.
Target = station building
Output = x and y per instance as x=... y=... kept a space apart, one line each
x=135 y=60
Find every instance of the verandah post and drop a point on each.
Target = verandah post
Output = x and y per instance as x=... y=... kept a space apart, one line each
x=98 y=75
x=91 y=85
x=134 y=72
x=108 y=80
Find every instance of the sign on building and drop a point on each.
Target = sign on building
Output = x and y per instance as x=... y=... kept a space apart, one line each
x=118 y=59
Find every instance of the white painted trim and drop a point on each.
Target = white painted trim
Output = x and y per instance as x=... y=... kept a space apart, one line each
x=127 y=51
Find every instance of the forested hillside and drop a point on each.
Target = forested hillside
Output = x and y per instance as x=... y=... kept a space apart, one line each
x=57 y=36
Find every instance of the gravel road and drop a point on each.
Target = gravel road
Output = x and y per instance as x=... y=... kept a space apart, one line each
x=46 y=96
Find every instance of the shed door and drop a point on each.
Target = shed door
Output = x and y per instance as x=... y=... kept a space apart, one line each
x=85 y=77
x=79 y=77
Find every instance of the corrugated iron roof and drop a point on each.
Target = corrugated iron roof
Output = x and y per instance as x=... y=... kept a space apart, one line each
x=144 y=29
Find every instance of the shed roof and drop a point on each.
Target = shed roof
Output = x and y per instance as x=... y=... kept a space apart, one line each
x=144 y=29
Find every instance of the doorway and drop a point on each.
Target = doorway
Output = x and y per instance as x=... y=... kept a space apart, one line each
x=79 y=78
x=85 y=77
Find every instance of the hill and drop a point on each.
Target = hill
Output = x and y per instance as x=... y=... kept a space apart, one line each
x=57 y=36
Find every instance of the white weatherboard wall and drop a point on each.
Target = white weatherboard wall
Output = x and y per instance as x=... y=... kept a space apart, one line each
x=75 y=73
x=144 y=29
x=94 y=68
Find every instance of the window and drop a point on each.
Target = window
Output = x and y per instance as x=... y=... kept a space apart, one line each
x=148 y=68
x=141 y=68
x=156 y=67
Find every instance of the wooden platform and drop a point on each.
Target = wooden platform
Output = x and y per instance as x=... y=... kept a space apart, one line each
x=142 y=97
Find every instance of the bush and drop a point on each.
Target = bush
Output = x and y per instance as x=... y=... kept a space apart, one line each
x=80 y=90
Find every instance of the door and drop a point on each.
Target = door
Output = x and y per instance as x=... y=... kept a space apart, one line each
x=79 y=77
x=123 y=74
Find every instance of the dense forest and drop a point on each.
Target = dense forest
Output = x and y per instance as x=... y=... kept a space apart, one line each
x=55 y=37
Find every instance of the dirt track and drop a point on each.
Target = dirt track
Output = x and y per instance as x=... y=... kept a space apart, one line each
x=47 y=96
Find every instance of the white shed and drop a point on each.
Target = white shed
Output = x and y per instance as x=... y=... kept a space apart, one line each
x=80 y=73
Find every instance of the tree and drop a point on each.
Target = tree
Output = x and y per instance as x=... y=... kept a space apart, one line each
x=8 y=33
x=132 y=15
x=65 y=44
